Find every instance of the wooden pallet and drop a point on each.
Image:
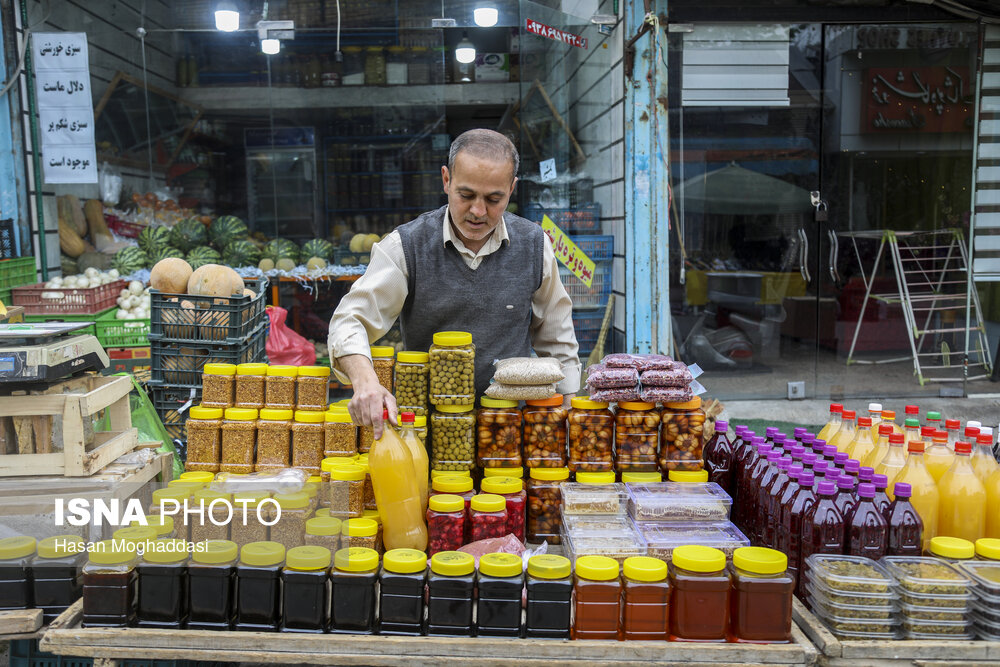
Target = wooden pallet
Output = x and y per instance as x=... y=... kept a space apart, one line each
x=20 y=624
x=32 y=425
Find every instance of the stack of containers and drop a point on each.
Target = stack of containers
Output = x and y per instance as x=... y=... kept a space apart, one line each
x=986 y=605
x=594 y=519
x=935 y=598
x=854 y=596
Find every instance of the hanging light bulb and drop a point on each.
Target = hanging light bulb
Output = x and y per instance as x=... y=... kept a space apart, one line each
x=270 y=47
x=465 y=52
x=485 y=16
x=227 y=17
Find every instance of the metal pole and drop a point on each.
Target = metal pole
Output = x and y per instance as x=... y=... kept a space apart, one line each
x=35 y=145
x=972 y=209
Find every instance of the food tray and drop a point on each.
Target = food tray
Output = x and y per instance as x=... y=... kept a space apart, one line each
x=617 y=544
x=201 y=319
x=850 y=573
x=987 y=623
x=112 y=332
x=878 y=627
x=931 y=614
x=38 y=299
x=937 y=629
x=986 y=576
x=678 y=502
x=820 y=602
x=588 y=523
x=852 y=598
x=987 y=612
x=923 y=575
x=940 y=601
x=605 y=499
x=662 y=538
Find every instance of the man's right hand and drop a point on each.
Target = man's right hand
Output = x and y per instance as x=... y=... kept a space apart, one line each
x=370 y=397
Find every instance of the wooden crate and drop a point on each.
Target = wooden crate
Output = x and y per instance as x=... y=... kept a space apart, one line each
x=31 y=423
x=20 y=624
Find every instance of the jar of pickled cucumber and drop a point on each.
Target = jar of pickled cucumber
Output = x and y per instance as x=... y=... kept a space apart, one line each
x=452 y=360
x=453 y=438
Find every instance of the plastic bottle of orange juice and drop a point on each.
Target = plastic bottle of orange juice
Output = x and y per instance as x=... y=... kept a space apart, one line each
x=396 y=491
x=832 y=426
x=862 y=445
x=963 y=498
x=993 y=505
x=875 y=414
x=983 y=461
x=418 y=453
x=938 y=457
x=877 y=453
x=888 y=418
x=925 y=496
x=893 y=461
x=953 y=428
x=911 y=429
x=934 y=420
x=845 y=434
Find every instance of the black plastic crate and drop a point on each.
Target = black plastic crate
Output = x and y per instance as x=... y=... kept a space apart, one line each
x=225 y=320
x=180 y=363
x=178 y=435
x=172 y=403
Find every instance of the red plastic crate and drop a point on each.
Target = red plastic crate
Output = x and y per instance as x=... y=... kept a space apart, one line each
x=38 y=299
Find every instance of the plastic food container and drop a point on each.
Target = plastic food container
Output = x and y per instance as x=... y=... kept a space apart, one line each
x=986 y=577
x=499 y=433
x=928 y=614
x=545 y=433
x=591 y=436
x=218 y=385
x=676 y=501
x=859 y=628
x=453 y=438
x=583 y=498
x=922 y=575
x=662 y=538
x=617 y=544
x=312 y=388
x=411 y=382
x=452 y=360
x=932 y=600
x=578 y=524
x=852 y=598
x=853 y=574
x=913 y=629
x=682 y=435
x=637 y=435
x=820 y=603
x=383 y=360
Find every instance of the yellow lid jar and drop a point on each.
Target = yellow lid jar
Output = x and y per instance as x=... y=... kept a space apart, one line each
x=452 y=360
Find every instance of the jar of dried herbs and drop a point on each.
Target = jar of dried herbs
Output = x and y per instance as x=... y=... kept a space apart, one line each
x=279 y=387
x=308 y=440
x=250 y=383
x=274 y=440
x=218 y=385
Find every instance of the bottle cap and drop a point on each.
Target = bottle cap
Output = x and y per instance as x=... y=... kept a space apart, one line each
x=756 y=440
x=915 y=446
x=199 y=412
x=912 y=423
x=308 y=558
x=819 y=443
x=697 y=558
x=849 y=415
x=795 y=467
x=452 y=338
x=784 y=463
x=451 y=484
x=952 y=547
x=17 y=547
x=984 y=440
x=971 y=432
x=166 y=551
x=987 y=547
x=595 y=477
x=952 y=424
x=407 y=417
x=807 y=478
x=644 y=568
x=760 y=560
x=832 y=474
x=962 y=447
x=901 y=489
x=793 y=473
x=866 y=474
x=836 y=408
x=219 y=369
x=106 y=553
x=888 y=415
x=772 y=456
x=912 y=410
x=865 y=422
x=356 y=559
x=798 y=433
x=314 y=371
x=282 y=371
x=408 y=357
x=845 y=482
x=549 y=566
x=549 y=474
x=840 y=459
x=217 y=552
x=486 y=402
x=404 y=561
x=885 y=429
x=597 y=568
x=880 y=481
x=359 y=528
x=821 y=467
x=852 y=466
x=874 y=407
x=896 y=439
x=826 y=488
x=324 y=526
x=507 y=485
x=740 y=429
x=649 y=477
x=720 y=427
x=60 y=546
x=866 y=490
x=500 y=565
x=453 y=563
x=771 y=431
x=830 y=451
x=796 y=450
x=488 y=502
x=262 y=554
x=934 y=416
x=763 y=448
x=808 y=459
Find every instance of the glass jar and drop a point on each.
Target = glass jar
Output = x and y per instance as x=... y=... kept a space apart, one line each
x=637 y=432
x=450 y=591
x=498 y=602
x=452 y=360
x=419 y=66
x=239 y=436
x=374 y=66
x=214 y=509
x=499 y=433
x=251 y=380
x=308 y=440
x=290 y=528
x=304 y=586
x=682 y=435
x=488 y=516
x=545 y=504
x=354 y=66
x=312 y=386
x=274 y=438
x=591 y=436
x=420 y=429
x=258 y=577
x=340 y=435
x=445 y=523
x=279 y=387
x=401 y=592
x=511 y=489
x=645 y=599
x=346 y=491
x=246 y=526
x=55 y=570
x=353 y=590
x=204 y=434
x=109 y=586
x=212 y=586
x=396 y=66
x=16 y=554
x=411 y=382
x=545 y=433
x=359 y=533
x=453 y=438
x=699 y=599
x=384 y=360
x=549 y=587
x=218 y=385
x=762 y=589
x=163 y=587
x=323 y=531
x=597 y=593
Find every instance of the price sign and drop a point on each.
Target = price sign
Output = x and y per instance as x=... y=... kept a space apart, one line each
x=569 y=253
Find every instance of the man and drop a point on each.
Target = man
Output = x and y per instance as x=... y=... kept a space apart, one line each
x=467 y=266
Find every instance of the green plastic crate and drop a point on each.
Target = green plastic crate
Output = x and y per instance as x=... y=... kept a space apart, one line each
x=76 y=317
x=17 y=272
x=112 y=332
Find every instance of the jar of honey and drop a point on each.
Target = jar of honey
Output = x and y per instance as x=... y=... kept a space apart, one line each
x=699 y=598
x=761 y=608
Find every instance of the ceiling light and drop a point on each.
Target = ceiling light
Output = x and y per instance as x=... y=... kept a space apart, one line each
x=485 y=17
x=227 y=17
x=270 y=47
x=465 y=52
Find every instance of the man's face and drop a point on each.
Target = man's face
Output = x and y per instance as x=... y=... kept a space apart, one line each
x=478 y=192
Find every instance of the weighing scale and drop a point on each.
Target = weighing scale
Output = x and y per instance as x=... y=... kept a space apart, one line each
x=44 y=351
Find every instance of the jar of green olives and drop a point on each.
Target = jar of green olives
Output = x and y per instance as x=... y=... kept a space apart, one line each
x=452 y=360
x=453 y=438
x=411 y=382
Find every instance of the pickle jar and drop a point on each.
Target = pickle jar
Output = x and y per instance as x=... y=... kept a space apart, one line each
x=312 y=386
x=682 y=435
x=218 y=385
x=545 y=504
x=499 y=433
x=637 y=432
x=545 y=433
x=214 y=509
x=591 y=436
x=239 y=435
x=452 y=361
x=251 y=380
x=274 y=440
x=323 y=532
x=279 y=387
x=308 y=434
x=340 y=435
x=411 y=382
x=420 y=429
x=359 y=533
x=383 y=360
x=445 y=523
x=453 y=438
x=291 y=522
x=511 y=489
x=346 y=491
x=204 y=432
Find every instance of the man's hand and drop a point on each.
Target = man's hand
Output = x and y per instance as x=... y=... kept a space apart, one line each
x=370 y=397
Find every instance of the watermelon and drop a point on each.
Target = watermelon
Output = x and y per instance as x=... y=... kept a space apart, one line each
x=154 y=236
x=129 y=260
x=162 y=252
x=241 y=253
x=203 y=255
x=188 y=234
x=281 y=249
x=316 y=248
x=226 y=229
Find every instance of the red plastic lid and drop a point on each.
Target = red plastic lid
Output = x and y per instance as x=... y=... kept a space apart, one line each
x=885 y=429
x=407 y=417
x=952 y=424
x=984 y=439
x=962 y=447
x=913 y=409
x=836 y=408
x=971 y=432
x=927 y=431
x=865 y=421
x=849 y=414
x=896 y=439
x=385 y=413
x=915 y=446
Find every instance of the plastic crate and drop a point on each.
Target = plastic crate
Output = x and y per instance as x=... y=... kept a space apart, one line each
x=587 y=325
x=112 y=332
x=132 y=360
x=70 y=317
x=584 y=219
x=597 y=248
x=170 y=402
x=17 y=272
x=595 y=296
x=229 y=320
x=180 y=363
x=38 y=299
x=178 y=436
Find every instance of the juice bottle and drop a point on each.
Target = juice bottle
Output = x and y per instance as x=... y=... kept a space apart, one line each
x=781 y=443
x=769 y=433
x=845 y=495
x=741 y=453
x=882 y=499
x=866 y=474
x=760 y=502
x=905 y=525
x=743 y=465
x=790 y=532
x=768 y=532
x=798 y=434
x=396 y=491
x=818 y=446
x=893 y=461
x=933 y=420
x=953 y=428
x=808 y=460
x=993 y=505
x=418 y=454
x=822 y=528
x=963 y=498
x=840 y=459
x=912 y=412
x=862 y=445
x=924 y=491
x=832 y=426
x=983 y=461
x=820 y=470
x=866 y=528
x=888 y=419
x=911 y=429
x=874 y=415
x=718 y=455
x=853 y=469
x=796 y=452
x=845 y=434
x=754 y=468
x=938 y=457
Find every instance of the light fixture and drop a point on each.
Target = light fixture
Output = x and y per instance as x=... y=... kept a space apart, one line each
x=270 y=47
x=270 y=34
x=227 y=17
x=486 y=16
x=465 y=52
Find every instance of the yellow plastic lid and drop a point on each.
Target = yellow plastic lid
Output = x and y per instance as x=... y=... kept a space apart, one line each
x=549 y=474
x=208 y=495
x=363 y=462
x=216 y=552
x=413 y=357
x=135 y=534
x=597 y=568
x=292 y=501
x=446 y=502
x=356 y=559
x=420 y=421
x=188 y=486
x=693 y=404
x=555 y=400
x=60 y=546
x=323 y=512
x=452 y=484
x=251 y=369
x=331 y=462
x=517 y=472
x=273 y=414
x=500 y=565
x=453 y=563
x=352 y=49
x=374 y=516
x=161 y=523
x=342 y=403
x=17 y=547
x=106 y=553
x=262 y=554
x=636 y=405
x=220 y=369
x=348 y=473
x=283 y=371
x=166 y=551
x=323 y=525
x=454 y=409
x=595 y=477
x=435 y=474
x=760 y=560
x=641 y=477
x=452 y=338
x=952 y=547
x=987 y=547
x=496 y=403
x=696 y=558
x=359 y=528
x=241 y=414
x=311 y=488
x=178 y=493
x=689 y=476
x=199 y=475
x=501 y=485
x=584 y=403
x=383 y=352
x=488 y=502
x=199 y=412
x=307 y=417
x=251 y=498
x=549 y=566
x=404 y=561
x=308 y=558
x=314 y=371
x=338 y=416
x=644 y=568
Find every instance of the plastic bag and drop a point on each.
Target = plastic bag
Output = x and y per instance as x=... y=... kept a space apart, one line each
x=110 y=180
x=666 y=394
x=641 y=362
x=508 y=544
x=605 y=377
x=147 y=423
x=678 y=376
x=614 y=395
x=528 y=370
x=288 y=480
x=520 y=392
x=284 y=346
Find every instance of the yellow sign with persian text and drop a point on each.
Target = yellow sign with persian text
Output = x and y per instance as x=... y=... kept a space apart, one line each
x=569 y=253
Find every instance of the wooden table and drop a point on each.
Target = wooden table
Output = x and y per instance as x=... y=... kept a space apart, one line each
x=20 y=624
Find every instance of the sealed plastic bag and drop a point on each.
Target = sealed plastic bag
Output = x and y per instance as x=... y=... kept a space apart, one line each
x=288 y=480
x=678 y=376
x=666 y=394
x=528 y=370
x=606 y=377
x=640 y=362
x=284 y=346
x=615 y=395
x=520 y=392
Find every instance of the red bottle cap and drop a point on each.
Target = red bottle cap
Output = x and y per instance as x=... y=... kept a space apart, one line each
x=885 y=429
x=952 y=424
x=865 y=422
x=385 y=413
x=407 y=417
x=962 y=447
x=896 y=439
x=927 y=431
x=836 y=408
x=984 y=439
x=849 y=414
x=912 y=409
x=971 y=432
x=915 y=446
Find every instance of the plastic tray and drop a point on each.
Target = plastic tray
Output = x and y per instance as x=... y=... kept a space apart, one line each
x=593 y=498
x=818 y=599
x=939 y=601
x=617 y=544
x=987 y=621
x=923 y=575
x=931 y=614
x=201 y=319
x=38 y=299
x=833 y=572
x=986 y=576
x=583 y=523
x=662 y=538
x=987 y=612
x=180 y=363
x=937 y=629
x=853 y=598
x=878 y=627
x=678 y=502
x=985 y=634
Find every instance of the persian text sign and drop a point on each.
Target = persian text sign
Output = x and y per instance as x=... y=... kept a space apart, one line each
x=569 y=253
x=918 y=99
x=543 y=30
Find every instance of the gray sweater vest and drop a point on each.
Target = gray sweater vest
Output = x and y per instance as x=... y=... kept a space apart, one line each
x=492 y=302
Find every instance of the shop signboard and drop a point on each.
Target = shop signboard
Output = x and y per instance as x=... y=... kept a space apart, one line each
x=542 y=30
x=569 y=253
x=929 y=100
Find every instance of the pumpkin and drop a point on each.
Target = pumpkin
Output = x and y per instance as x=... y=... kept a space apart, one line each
x=170 y=275
x=93 y=210
x=214 y=280
x=69 y=241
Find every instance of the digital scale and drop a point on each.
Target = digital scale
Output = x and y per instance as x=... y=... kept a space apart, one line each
x=45 y=351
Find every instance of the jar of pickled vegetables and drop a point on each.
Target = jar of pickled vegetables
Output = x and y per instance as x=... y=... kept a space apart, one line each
x=511 y=489
x=420 y=429
x=499 y=433
x=452 y=360
x=637 y=432
x=591 y=436
x=682 y=435
x=411 y=382
x=453 y=437
x=545 y=433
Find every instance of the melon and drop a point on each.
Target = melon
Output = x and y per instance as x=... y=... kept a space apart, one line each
x=280 y=249
x=170 y=275
x=226 y=229
x=215 y=280
x=153 y=237
x=266 y=264
x=241 y=253
x=188 y=233
x=358 y=242
x=129 y=260
x=285 y=264
x=316 y=263
x=317 y=248
x=202 y=256
x=156 y=254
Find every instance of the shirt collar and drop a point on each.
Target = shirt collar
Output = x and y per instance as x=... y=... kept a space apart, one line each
x=498 y=237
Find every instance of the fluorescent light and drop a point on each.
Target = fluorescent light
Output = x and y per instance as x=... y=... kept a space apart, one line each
x=227 y=17
x=270 y=47
x=465 y=52
x=486 y=17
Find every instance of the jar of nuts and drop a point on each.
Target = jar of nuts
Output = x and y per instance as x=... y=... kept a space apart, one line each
x=487 y=516
x=453 y=438
x=420 y=429
x=384 y=359
x=239 y=436
x=545 y=504
x=591 y=433
x=499 y=433
x=346 y=491
x=340 y=434
x=274 y=440
x=291 y=523
x=312 y=386
x=637 y=432
x=250 y=385
x=246 y=526
x=445 y=523
x=323 y=532
x=279 y=387
x=681 y=435
x=204 y=432
x=511 y=489
x=308 y=440
x=545 y=433
x=516 y=472
x=218 y=385
x=452 y=360
x=411 y=382
x=358 y=533
x=214 y=508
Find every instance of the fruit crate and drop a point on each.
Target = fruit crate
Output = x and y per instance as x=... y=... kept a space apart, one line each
x=70 y=317
x=597 y=248
x=172 y=403
x=180 y=362
x=25 y=653
x=112 y=332
x=201 y=319
x=133 y=360
x=17 y=272
x=595 y=296
x=583 y=219
x=38 y=299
